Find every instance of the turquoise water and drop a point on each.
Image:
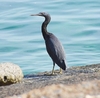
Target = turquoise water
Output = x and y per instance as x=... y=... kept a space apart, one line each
x=75 y=23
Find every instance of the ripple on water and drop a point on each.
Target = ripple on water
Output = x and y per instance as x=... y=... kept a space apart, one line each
x=75 y=23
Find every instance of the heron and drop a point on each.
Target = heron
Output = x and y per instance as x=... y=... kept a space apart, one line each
x=53 y=46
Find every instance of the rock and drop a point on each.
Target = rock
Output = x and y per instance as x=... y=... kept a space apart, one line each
x=10 y=73
x=88 y=89
x=72 y=79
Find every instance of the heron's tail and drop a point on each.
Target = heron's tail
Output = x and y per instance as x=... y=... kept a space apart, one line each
x=62 y=65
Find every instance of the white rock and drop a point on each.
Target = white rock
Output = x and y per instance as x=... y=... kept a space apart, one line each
x=10 y=73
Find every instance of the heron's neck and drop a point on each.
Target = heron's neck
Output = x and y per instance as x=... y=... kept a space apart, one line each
x=44 y=27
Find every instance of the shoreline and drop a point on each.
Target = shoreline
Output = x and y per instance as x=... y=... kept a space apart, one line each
x=73 y=75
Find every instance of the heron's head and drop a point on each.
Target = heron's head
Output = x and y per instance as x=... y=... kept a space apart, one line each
x=43 y=14
x=40 y=14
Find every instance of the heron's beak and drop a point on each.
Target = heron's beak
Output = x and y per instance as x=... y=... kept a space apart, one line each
x=35 y=15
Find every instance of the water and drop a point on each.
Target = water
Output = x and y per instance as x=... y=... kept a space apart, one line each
x=75 y=23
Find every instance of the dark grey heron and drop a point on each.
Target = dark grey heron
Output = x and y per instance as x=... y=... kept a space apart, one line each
x=53 y=45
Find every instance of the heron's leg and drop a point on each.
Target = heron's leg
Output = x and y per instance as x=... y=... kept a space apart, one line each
x=53 y=68
x=60 y=71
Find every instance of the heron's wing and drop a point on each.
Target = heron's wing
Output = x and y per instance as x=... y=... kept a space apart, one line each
x=55 y=49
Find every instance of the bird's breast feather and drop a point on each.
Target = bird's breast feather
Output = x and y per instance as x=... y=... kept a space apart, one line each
x=55 y=48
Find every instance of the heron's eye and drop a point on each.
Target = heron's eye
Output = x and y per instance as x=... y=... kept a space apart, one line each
x=43 y=13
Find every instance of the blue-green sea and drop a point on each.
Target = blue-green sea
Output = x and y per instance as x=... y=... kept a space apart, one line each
x=75 y=23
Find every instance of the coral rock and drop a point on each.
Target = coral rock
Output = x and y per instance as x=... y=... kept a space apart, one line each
x=10 y=73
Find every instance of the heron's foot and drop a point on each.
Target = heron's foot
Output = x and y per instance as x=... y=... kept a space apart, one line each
x=49 y=74
x=53 y=73
x=56 y=72
x=60 y=71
